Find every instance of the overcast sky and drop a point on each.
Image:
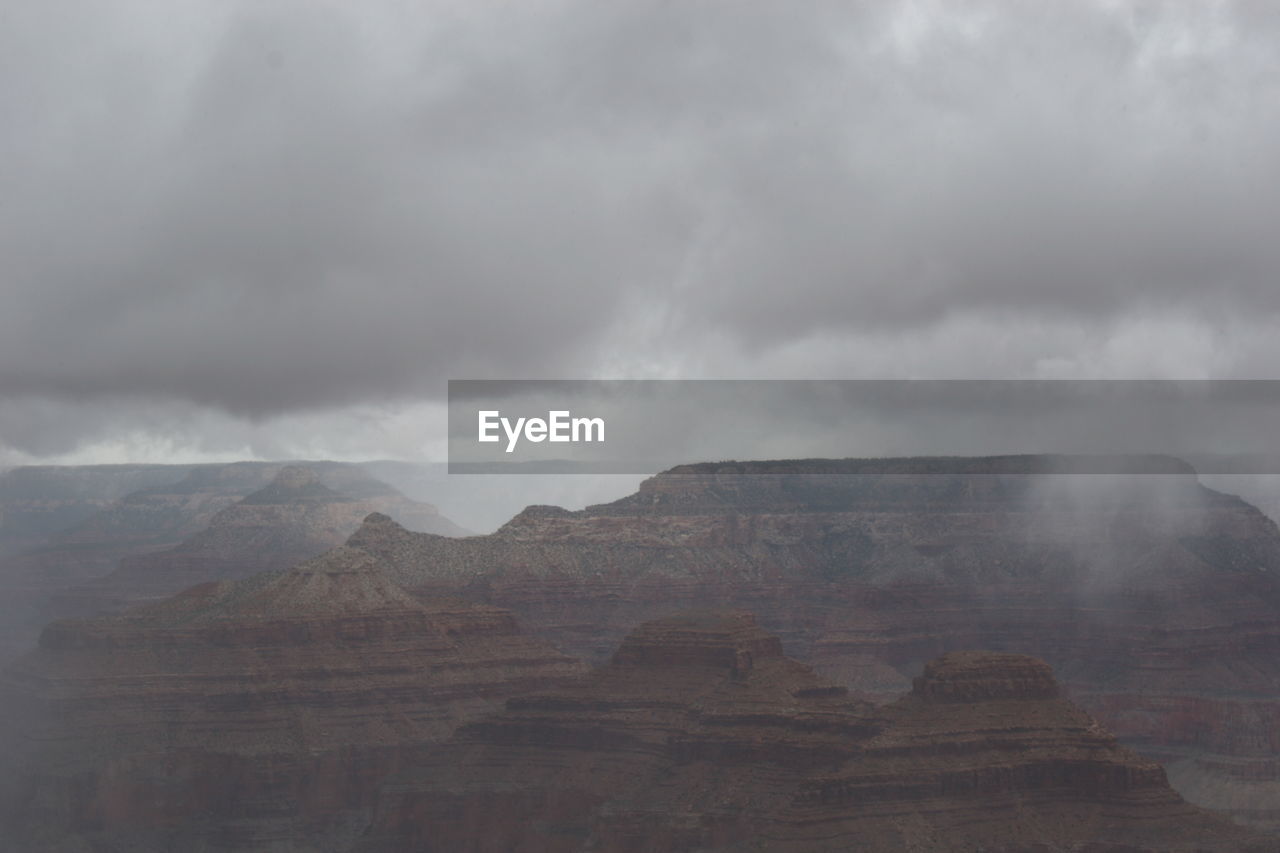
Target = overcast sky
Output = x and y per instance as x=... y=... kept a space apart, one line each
x=275 y=229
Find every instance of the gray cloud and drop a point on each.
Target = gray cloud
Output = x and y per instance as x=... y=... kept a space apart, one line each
x=232 y=216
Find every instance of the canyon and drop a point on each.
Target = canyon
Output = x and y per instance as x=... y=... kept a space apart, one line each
x=1157 y=600
x=257 y=714
x=213 y=522
x=285 y=701
x=700 y=735
x=292 y=518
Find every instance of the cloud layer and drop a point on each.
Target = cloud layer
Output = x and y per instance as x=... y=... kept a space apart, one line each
x=249 y=227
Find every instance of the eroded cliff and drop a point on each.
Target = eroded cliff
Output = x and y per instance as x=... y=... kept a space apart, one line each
x=251 y=715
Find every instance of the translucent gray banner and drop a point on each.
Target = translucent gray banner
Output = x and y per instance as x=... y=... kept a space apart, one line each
x=874 y=426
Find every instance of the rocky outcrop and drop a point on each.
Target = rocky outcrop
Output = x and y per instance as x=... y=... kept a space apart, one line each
x=251 y=715
x=700 y=735
x=151 y=519
x=292 y=518
x=39 y=500
x=985 y=754
x=693 y=713
x=1156 y=599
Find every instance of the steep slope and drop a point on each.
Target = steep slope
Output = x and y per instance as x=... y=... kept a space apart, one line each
x=148 y=519
x=700 y=735
x=985 y=754
x=38 y=500
x=153 y=518
x=1156 y=599
x=292 y=518
x=693 y=713
x=354 y=482
x=251 y=715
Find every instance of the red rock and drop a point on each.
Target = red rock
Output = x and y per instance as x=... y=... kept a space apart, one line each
x=1156 y=599
x=292 y=518
x=242 y=715
x=39 y=500
x=700 y=735
x=63 y=577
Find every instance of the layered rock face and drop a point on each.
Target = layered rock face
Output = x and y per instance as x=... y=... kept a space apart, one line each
x=250 y=716
x=294 y=517
x=700 y=735
x=653 y=751
x=62 y=507
x=39 y=500
x=151 y=519
x=1156 y=599
x=985 y=754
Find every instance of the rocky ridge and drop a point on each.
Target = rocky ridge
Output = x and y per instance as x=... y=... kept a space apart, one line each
x=39 y=500
x=292 y=518
x=1156 y=599
x=45 y=582
x=250 y=715
x=700 y=735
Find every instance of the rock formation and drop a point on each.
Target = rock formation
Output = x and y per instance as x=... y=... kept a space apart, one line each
x=1156 y=599
x=292 y=518
x=153 y=518
x=700 y=735
x=38 y=500
x=251 y=715
x=149 y=519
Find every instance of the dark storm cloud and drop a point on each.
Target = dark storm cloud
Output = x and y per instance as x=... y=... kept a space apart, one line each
x=305 y=228
x=272 y=207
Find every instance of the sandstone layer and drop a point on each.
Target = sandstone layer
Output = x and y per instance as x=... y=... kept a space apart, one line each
x=700 y=735
x=292 y=518
x=39 y=500
x=44 y=582
x=1156 y=599
x=256 y=715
